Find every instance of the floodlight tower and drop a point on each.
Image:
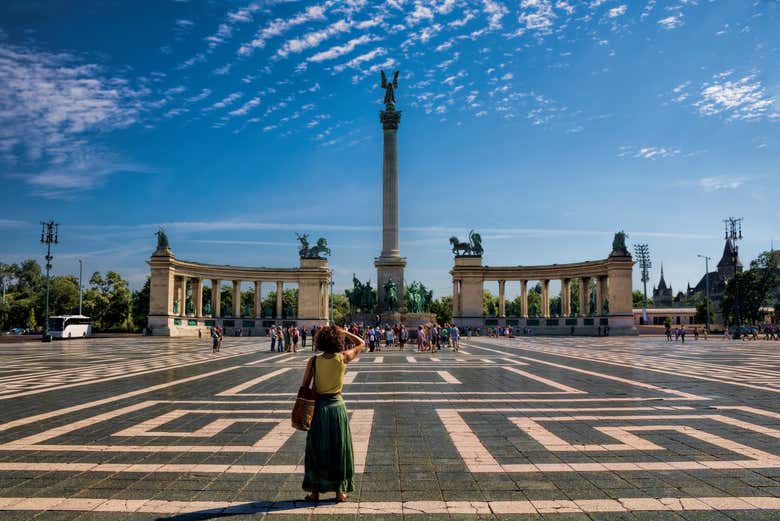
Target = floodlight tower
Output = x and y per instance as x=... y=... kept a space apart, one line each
x=733 y=233
x=49 y=236
x=642 y=252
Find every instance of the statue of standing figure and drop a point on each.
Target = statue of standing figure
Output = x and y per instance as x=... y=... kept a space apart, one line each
x=391 y=296
x=389 y=87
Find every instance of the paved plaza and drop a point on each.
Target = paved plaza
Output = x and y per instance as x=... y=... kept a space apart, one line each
x=528 y=428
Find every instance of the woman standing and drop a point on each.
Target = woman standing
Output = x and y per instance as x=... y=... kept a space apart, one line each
x=329 y=463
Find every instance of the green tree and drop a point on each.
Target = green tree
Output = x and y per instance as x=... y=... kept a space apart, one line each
x=489 y=303
x=226 y=300
x=63 y=296
x=340 y=308
x=139 y=310
x=442 y=307
x=701 y=311
x=535 y=301
x=755 y=287
x=555 y=306
x=289 y=302
x=108 y=299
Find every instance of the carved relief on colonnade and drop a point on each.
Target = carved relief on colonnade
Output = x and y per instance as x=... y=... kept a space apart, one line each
x=603 y=287
x=176 y=306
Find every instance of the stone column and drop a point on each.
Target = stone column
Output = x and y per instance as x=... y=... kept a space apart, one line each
x=502 y=298
x=258 y=299
x=197 y=296
x=279 y=290
x=455 y=298
x=565 y=298
x=390 y=120
x=390 y=264
x=584 y=295
x=236 y=299
x=326 y=299
x=183 y=300
x=604 y=282
x=524 y=298
x=546 y=298
x=599 y=296
x=216 y=297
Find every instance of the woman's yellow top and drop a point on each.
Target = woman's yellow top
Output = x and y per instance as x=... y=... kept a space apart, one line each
x=329 y=374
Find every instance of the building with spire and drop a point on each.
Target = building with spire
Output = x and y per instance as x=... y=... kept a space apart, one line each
x=663 y=296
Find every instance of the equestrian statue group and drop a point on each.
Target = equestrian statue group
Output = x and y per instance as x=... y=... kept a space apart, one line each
x=472 y=248
x=312 y=252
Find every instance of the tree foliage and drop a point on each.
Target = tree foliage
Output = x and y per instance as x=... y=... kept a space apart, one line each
x=754 y=288
x=108 y=300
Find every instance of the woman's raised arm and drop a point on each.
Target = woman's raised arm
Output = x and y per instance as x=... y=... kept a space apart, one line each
x=358 y=344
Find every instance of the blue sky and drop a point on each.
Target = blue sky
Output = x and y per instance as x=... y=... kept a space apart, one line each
x=546 y=125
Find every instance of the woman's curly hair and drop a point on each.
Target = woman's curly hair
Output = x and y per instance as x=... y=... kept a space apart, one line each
x=330 y=339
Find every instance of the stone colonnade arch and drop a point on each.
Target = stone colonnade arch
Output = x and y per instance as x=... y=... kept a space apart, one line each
x=612 y=294
x=169 y=314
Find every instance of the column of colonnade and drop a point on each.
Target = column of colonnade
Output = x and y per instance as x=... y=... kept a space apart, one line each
x=601 y=292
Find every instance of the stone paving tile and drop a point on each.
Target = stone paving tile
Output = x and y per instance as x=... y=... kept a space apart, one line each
x=603 y=423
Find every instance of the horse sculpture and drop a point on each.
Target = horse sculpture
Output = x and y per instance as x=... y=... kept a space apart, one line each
x=473 y=248
x=312 y=252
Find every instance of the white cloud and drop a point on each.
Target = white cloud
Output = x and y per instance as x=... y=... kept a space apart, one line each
x=205 y=93
x=340 y=50
x=50 y=104
x=537 y=16
x=743 y=99
x=710 y=184
x=245 y=108
x=228 y=100
x=649 y=152
x=617 y=11
x=355 y=62
x=279 y=26
x=313 y=38
x=671 y=22
x=495 y=12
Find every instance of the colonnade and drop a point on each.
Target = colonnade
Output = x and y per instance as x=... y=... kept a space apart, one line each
x=612 y=289
x=583 y=304
x=176 y=283
x=190 y=289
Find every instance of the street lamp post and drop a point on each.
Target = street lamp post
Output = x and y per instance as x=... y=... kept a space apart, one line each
x=707 y=286
x=643 y=257
x=49 y=236
x=80 y=286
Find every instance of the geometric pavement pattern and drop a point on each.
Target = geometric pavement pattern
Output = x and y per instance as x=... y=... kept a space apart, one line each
x=526 y=428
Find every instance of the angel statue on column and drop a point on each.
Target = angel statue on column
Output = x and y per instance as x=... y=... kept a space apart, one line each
x=389 y=87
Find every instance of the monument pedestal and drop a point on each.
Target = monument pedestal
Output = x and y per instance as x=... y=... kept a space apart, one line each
x=389 y=268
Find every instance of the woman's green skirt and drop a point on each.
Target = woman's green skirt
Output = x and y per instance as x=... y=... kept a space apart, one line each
x=329 y=464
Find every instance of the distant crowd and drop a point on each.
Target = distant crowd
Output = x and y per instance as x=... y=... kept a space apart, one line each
x=769 y=331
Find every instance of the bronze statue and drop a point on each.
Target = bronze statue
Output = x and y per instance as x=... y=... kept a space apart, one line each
x=162 y=240
x=391 y=296
x=312 y=252
x=389 y=87
x=473 y=248
x=418 y=298
x=361 y=297
x=619 y=244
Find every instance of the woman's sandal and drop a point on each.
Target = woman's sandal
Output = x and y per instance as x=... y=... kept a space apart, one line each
x=312 y=498
x=340 y=498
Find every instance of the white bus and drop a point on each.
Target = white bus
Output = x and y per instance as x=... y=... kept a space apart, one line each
x=70 y=326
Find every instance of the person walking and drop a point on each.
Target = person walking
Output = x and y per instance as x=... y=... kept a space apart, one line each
x=214 y=339
x=389 y=338
x=420 y=338
x=272 y=332
x=455 y=335
x=303 y=338
x=295 y=337
x=329 y=463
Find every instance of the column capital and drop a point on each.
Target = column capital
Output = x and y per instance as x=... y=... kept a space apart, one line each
x=390 y=119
